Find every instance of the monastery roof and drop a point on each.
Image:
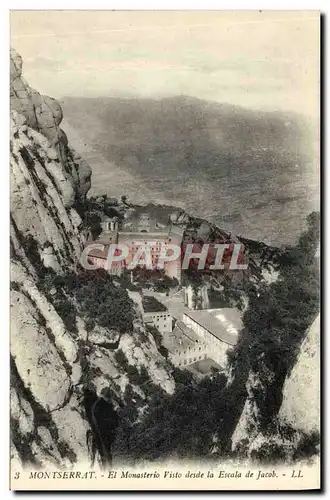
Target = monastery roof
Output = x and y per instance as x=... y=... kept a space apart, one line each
x=181 y=338
x=102 y=254
x=141 y=236
x=224 y=323
x=188 y=332
x=97 y=252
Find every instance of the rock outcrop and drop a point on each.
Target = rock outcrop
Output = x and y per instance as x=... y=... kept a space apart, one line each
x=44 y=115
x=42 y=195
x=298 y=419
x=301 y=393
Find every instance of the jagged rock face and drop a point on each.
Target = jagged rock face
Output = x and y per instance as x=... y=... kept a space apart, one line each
x=301 y=392
x=139 y=354
x=44 y=229
x=50 y=362
x=44 y=115
x=299 y=414
x=47 y=427
x=41 y=199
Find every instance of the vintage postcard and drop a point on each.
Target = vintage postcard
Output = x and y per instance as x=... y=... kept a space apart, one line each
x=165 y=250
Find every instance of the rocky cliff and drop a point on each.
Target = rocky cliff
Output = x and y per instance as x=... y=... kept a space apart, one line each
x=289 y=429
x=53 y=364
x=301 y=393
x=44 y=115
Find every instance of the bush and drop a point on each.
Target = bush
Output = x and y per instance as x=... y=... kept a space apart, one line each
x=151 y=304
x=121 y=359
x=158 y=339
x=94 y=295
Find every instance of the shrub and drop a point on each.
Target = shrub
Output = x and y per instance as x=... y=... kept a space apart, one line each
x=121 y=359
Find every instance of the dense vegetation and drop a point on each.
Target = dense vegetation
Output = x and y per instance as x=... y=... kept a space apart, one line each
x=153 y=279
x=93 y=209
x=182 y=424
x=95 y=295
x=158 y=338
x=151 y=304
x=277 y=319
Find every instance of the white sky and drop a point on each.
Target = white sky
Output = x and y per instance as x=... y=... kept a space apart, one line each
x=261 y=60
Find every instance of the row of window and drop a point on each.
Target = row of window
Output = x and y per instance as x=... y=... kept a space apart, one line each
x=163 y=320
x=192 y=360
x=156 y=244
x=154 y=249
x=193 y=348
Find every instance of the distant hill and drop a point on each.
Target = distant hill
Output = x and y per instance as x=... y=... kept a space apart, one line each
x=252 y=172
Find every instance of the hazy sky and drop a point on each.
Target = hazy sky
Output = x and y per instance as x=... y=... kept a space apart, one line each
x=258 y=60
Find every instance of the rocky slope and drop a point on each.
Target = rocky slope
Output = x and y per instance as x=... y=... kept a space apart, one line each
x=44 y=114
x=280 y=411
x=301 y=394
x=51 y=365
x=294 y=433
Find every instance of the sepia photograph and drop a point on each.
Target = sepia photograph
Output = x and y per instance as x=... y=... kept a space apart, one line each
x=165 y=250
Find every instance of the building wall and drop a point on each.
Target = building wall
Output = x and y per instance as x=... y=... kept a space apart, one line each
x=155 y=242
x=161 y=320
x=135 y=239
x=189 y=356
x=217 y=350
x=109 y=225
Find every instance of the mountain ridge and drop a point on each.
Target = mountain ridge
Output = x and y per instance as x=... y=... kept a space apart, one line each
x=245 y=170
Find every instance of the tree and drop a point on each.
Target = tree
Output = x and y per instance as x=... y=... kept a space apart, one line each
x=183 y=423
x=124 y=199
